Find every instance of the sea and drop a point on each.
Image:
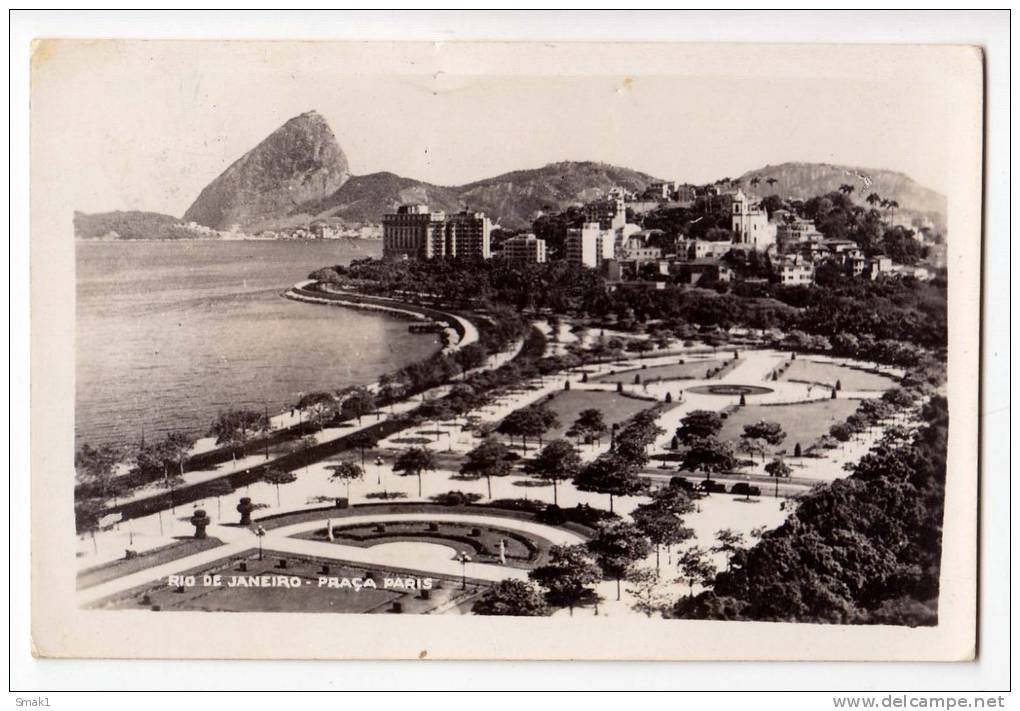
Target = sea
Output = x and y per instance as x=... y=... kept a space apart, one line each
x=170 y=333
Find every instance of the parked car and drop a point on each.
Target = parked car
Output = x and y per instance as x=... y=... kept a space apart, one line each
x=744 y=489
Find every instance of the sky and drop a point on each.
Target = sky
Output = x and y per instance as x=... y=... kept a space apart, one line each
x=146 y=126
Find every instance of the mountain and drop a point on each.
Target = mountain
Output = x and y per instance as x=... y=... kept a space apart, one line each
x=806 y=180
x=366 y=198
x=300 y=162
x=511 y=200
x=299 y=174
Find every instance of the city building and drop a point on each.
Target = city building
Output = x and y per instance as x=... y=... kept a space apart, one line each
x=877 y=266
x=635 y=249
x=750 y=223
x=696 y=271
x=793 y=232
x=415 y=232
x=796 y=271
x=610 y=213
x=706 y=249
x=589 y=245
x=467 y=235
x=664 y=189
x=527 y=249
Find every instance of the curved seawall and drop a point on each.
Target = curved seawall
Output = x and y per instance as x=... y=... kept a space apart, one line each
x=460 y=331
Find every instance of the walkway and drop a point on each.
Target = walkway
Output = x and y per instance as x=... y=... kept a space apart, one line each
x=281 y=540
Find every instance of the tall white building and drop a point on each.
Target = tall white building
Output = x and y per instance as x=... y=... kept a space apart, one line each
x=589 y=245
x=750 y=223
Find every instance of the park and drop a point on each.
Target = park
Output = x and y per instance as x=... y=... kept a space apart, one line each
x=681 y=457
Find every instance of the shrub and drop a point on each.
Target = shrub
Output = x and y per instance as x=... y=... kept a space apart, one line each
x=456 y=498
x=386 y=495
x=528 y=505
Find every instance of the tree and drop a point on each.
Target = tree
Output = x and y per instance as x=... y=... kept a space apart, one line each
x=778 y=469
x=533 y=421
x=93 y=468
x=640 y=433
x=660 y=519
x=647 y=592
x=235 y=428
x=346 y=472
x=515 y=598
x=616 y=546
x=841 y=432
x=610 y=474
x=557 y=461
x=752 y=445
x=698 y=424
x=362 y=440
x=414 y=462
x=728 y=542
x=277 y=477
x=873 y=199
x=322 y=408
x=708 y=455
x=770 y=432
x=488 y=459
x=696 y=568
x=358 y=403
x=87 y=513
x=177 y=445
x=568 y=576
x=218 y=488
x=591 y=422
x=543 y=419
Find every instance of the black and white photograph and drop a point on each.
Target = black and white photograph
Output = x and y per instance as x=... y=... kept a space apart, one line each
x=583 y=351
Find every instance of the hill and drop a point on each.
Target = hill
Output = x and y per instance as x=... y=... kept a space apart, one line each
x=131 y=225
x=514 y=200
x=366 y=198
x=806 y=180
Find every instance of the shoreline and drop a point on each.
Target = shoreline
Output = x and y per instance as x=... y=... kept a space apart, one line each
x=465 y=331
x=466 y=334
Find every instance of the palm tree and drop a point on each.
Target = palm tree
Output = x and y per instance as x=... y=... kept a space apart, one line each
x=892 y=208
x=873 y=199
x=772 y=181
x=755 y=181
x=846 y=188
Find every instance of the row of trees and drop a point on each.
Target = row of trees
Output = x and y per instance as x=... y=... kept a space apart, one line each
x=863 y=550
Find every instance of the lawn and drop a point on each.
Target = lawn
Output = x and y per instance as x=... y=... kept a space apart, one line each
x=522 y=551
x=828 y=373
x=568 y=404
x=95 y=575
x=689 y=370
x=306 y=596
x=803 y=422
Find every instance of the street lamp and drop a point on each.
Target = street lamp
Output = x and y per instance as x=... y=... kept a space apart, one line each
x=464 y=559
x=259 y=533
x=378 y=469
